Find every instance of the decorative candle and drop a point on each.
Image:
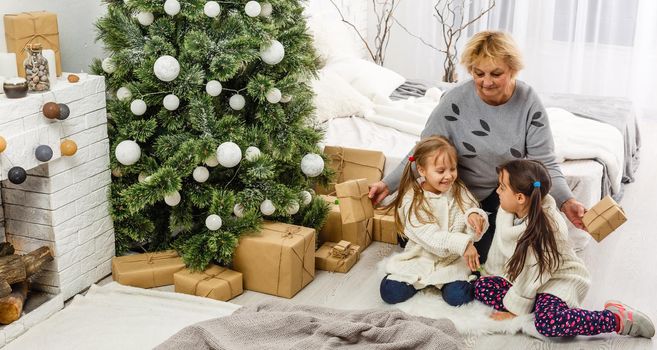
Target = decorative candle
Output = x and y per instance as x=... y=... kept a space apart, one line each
x=8 y=65
x=52 y=66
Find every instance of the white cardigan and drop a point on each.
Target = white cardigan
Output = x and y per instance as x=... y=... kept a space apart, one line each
x=569 y=283
x=434 y=252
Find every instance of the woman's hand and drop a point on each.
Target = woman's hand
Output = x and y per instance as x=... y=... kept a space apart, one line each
x=378 y=191
x=574 y=211
x=502 y=315
x=477 y=222
x=471 y=257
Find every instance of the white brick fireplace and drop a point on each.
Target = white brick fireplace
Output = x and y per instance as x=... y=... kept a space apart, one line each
x=63 y=203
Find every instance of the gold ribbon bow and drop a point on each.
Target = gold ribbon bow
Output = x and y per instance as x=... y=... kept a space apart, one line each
x=341 y=250
x=149 y=259
x=34 y=18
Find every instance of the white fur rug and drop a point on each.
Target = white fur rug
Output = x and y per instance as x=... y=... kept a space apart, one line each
x=472 y=319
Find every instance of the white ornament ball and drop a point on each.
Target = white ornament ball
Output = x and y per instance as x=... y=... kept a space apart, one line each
x=127 y=152
x=145 y=18
x=213 y=88
x=166 y=68
x=237 y=102
x=108 y=65
x=238 y=210
x=272 y=53
x=252 y=9
x=212 y=9
x=274 y=95
x=123 y=94
x=286 y=98
x=229 y=154
x=201 y=174
x=172 y=199
x=312 y=164
x=147 y=179
x=252 y=153
x=267 y=207
x=212 y=161
x=266 y=9
x=171 y=102
x=306 y=197
x=172 y=7
x=213 y=222
x=293 y=208
x=138 y=107
x=142 y=177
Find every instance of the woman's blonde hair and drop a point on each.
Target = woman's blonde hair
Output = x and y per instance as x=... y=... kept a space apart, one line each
x=422 y=154
x=492 y=45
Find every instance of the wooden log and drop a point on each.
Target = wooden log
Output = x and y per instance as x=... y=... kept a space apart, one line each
x=12 y=269
x=11 y=306
x=6 y=249
x=34 y=260
x=5 y=288
x=17 y=268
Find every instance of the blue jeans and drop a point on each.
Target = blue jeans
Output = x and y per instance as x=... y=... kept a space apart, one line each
x=454 y=293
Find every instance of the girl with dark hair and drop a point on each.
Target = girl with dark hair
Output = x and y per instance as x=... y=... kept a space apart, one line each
x=537 y=270
x=441 y=220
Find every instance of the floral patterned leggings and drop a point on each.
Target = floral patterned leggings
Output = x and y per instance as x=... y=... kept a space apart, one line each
x=553 y=317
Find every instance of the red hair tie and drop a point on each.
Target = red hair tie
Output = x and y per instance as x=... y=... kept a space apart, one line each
x=411 y=159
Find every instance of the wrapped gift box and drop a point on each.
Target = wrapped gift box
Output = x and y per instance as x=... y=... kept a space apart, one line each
x=352 y=163
x=26 y=28
x=354 y=203
x=215 y=282
x=358 y=233
x=337 y=257
x=384 y=229
x=605 y=217
x=278 y=260
x=147 y=270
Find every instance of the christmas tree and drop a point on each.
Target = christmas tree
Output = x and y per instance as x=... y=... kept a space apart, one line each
x=210 y=122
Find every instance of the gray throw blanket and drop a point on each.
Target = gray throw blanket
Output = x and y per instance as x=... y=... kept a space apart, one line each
x=272 y=325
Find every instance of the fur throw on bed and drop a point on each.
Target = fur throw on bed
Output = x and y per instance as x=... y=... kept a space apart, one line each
x=277 y=325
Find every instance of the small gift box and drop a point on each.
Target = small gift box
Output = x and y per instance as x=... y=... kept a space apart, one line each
x=354 y=203
x=352 y=163
x=358 y=233
x=278 y=260
x=215 y=282
x=384 y=228
x=605 y=217
x=337 y=257
x=147 y=270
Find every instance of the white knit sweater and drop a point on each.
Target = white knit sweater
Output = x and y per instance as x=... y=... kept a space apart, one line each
x=569 y=283
x=434 y=252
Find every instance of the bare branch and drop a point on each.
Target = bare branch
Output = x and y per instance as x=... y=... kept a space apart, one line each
x=417 y=36
x=367 y=46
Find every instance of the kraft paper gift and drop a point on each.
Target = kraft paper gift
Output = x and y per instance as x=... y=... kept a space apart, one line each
x=358 y=233
x=337 y=257
x=147 y=270
x=26 y=28
x=215 y=282
x=605 y=217
x=278 y=260
x=354 y=203
x=351 y=164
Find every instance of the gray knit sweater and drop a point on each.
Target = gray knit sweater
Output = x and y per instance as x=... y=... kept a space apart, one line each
x=486 y=136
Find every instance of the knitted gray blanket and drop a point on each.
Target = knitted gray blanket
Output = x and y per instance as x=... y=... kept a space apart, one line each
x=273 y=325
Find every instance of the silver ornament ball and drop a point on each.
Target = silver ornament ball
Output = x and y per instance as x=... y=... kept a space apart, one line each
x=201 y=174
x=312 y=164
x=213 y=88
x=171 y=102
x=138 y=107
x=127 y=152
x=213 y=222
x=166 y=68
x=267 y=207
x=172 y=199
x=229 y=154
x=237 y=102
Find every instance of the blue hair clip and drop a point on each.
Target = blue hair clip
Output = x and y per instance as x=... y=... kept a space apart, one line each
x=537 y=184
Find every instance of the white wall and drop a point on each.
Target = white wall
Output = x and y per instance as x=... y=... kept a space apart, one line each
x=76 y=20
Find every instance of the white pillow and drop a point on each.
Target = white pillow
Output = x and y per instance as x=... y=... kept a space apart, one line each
x=333 y=39
x=368 y=78
x=334 y=97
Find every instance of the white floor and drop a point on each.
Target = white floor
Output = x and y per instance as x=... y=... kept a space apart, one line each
x=623 y=267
